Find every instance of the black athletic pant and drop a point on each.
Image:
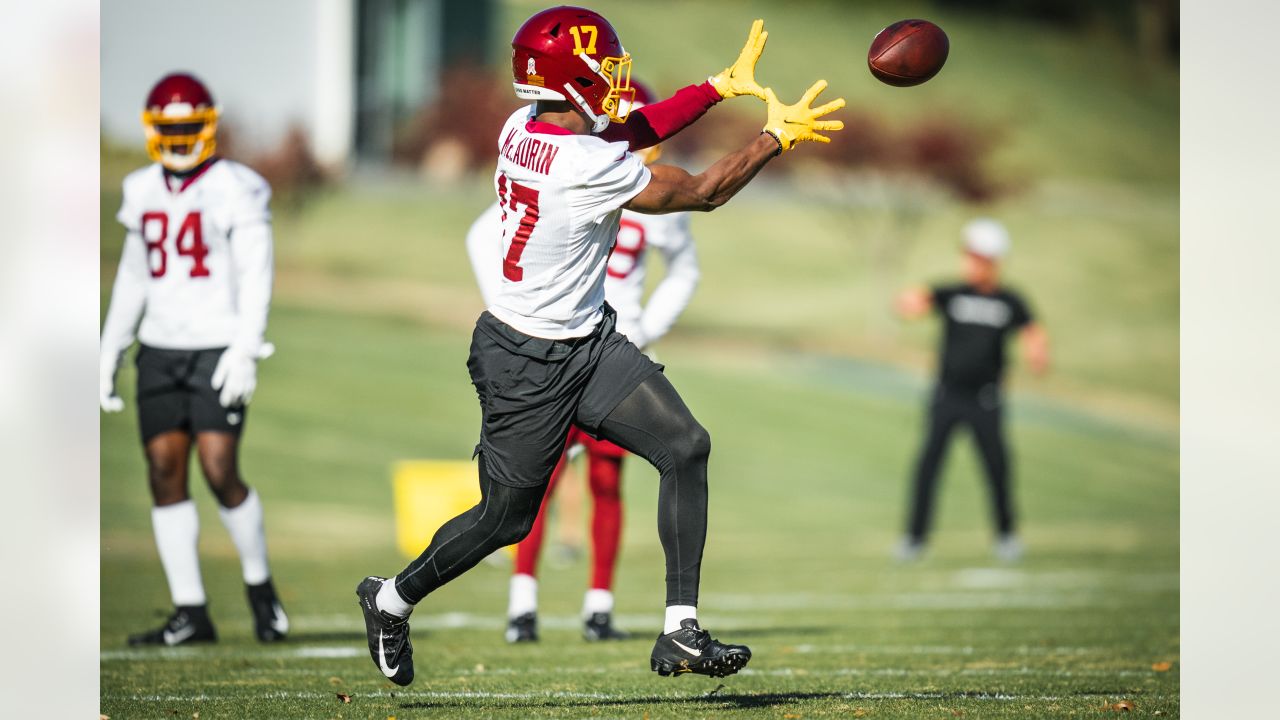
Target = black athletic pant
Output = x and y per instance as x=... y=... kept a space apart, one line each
x=981 y=411
x=652 y=422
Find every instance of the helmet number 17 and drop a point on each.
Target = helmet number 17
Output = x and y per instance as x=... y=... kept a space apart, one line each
x=578 y=31
x=519 y=195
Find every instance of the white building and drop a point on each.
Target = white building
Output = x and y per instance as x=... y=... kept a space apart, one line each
x=345 y=71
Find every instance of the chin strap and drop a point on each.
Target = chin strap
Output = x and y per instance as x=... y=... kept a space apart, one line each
x=598 y=122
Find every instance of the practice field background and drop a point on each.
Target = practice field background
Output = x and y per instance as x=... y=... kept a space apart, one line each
x=813 y=395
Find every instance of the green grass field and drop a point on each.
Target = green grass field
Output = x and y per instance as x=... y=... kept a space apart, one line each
x=814 y=398
x=808 y=476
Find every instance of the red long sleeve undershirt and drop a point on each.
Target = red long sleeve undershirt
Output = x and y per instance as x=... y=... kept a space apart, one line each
x=651 y=124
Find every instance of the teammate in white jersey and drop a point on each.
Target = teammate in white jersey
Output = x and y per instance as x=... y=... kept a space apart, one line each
x=643 y=324
x=194 y=285
x=547 y=355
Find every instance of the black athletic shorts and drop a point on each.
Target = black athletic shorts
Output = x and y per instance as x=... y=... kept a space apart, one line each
x=175 y=392
x=532 y=389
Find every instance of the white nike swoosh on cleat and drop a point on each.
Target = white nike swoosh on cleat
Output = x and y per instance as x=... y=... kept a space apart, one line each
x=382 y=661
x=686 y=648
x=279 y=621
x=173 y=638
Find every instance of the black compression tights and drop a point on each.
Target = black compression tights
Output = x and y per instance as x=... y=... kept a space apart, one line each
x=651 y=422
x=654 y=423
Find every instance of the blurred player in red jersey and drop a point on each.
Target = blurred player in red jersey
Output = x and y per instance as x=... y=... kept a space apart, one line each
x=643 y=324
x=547 y=354
x=194 y=285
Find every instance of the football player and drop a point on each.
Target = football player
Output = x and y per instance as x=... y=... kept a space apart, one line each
x=979 y=315
x=643 y=324
x=547 y=355
x=194 y=284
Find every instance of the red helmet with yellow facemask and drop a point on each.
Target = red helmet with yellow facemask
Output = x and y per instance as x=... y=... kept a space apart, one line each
x=573 y=54
x=181 y=122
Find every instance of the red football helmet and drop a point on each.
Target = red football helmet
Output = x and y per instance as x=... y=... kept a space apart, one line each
x=573 y=54
x=181 y=120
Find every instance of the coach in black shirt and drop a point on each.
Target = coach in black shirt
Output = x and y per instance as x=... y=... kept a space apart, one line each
x=979 y=315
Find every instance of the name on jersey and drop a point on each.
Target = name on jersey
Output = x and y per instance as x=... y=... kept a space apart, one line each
x=530 y=153
x=978 y=311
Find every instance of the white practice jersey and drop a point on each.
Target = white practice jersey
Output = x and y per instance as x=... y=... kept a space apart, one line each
x=624 y=281
x=196 y=269
x=560 y=198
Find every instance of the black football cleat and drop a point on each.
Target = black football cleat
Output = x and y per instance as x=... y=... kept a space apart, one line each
x=692 y=650
x=523 y=628
x=188 y=624
x=600 y=627
x=270 y=623
x=388 y=635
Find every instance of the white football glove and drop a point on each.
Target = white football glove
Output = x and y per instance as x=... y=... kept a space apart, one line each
x=236 y=375
x=107 y=397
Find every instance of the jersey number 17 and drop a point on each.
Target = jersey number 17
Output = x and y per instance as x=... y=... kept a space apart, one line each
x=518 y=195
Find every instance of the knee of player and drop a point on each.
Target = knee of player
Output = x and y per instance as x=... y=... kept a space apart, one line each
x=163 y=471
x=225 y=483
x=515 y=532
x=694 y=443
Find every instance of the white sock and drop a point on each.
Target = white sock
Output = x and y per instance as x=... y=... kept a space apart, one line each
x=389 y=600
x=597 y=601
x=523 y=597
x=676 y=613
x=177 y=529
x=244 y=522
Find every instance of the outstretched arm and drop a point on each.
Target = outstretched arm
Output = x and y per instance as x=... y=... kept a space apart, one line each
x=654 y=123
x=914 y=303
x=672 y=189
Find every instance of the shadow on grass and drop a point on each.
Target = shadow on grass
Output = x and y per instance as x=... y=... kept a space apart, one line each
x=731 y=701
x=736 y=701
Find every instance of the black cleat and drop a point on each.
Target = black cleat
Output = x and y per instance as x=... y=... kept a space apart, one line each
x=523 y=628
x=188 y=624
x=389 y=643
x=692 y=650
x=270 y=623
x=600 y=627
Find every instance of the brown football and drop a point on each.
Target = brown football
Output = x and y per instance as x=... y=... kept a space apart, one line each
x=908 y=52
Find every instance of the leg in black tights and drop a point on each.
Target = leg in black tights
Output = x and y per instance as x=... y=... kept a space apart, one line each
x=503 y=517
x=989 y=435
x=942 y=422
x=654 y=423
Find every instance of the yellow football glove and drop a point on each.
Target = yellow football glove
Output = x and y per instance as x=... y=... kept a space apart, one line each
x=792 y=124
x=740 y=77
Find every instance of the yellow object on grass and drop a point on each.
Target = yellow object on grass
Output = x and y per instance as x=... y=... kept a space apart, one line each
x=427 y=494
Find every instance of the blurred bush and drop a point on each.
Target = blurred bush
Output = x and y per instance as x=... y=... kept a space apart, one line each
x=461 y=128
x=291 y=168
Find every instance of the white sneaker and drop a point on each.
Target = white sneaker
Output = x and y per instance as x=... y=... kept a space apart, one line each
x=908 y=550
x=1009 y=548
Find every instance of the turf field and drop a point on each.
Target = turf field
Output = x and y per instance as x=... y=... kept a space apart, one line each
x=813 y=396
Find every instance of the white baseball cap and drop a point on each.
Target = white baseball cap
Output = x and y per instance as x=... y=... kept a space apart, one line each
x=986 y=237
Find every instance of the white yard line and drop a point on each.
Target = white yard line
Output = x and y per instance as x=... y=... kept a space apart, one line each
x=811 y=648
